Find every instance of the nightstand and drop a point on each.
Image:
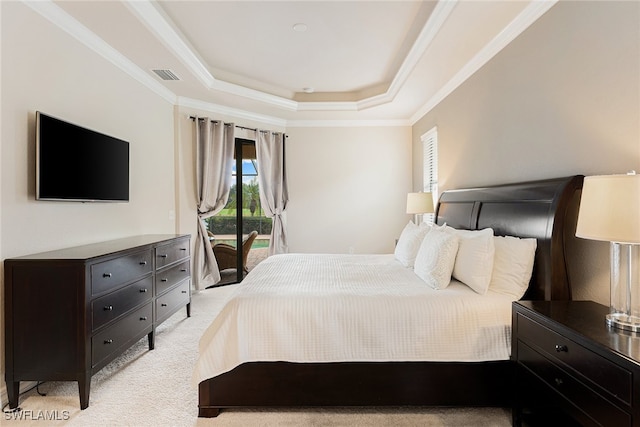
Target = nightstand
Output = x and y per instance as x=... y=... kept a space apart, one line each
x=568 y=359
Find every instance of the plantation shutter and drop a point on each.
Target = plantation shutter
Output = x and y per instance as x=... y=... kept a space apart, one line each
x=430 y=167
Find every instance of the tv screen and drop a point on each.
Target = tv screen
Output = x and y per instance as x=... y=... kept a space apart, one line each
x=77 y=164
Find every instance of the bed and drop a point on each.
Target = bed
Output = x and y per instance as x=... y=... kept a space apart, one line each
x=360 y=371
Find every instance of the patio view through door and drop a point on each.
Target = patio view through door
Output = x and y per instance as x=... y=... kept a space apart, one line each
x=242 y=215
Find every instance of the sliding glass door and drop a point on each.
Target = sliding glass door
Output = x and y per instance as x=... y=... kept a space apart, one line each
x=240 y=232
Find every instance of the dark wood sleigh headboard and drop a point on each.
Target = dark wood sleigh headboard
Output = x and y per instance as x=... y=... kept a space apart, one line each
x=546 y=210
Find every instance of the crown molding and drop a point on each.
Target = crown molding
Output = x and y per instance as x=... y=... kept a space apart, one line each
x=347 y=123
x=71 y=26
x=235 y=113
x=256 y=95
x=438 y=17
x=228 y=111
x=161 y=25
x=520 y=23
x=150 y=15
x=328 y=106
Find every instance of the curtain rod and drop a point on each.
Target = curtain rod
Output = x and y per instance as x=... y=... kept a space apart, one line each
x=238 y=126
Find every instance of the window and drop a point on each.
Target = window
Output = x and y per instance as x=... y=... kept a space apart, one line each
x=430 y=167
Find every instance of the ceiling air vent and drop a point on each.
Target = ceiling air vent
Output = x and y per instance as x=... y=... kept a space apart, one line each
x=166 y=74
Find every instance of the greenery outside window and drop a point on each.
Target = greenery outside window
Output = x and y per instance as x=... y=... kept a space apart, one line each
x=224 y=225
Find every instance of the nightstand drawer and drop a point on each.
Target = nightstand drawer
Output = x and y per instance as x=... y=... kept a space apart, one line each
x=591 y=404
x=600 y=371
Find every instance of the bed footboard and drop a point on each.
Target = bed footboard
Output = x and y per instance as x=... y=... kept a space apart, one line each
x=283 y=384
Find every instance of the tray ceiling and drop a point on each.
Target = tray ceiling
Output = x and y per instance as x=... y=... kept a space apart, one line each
x=299 y=62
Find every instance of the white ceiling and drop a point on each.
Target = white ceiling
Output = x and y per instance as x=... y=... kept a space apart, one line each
x=367 y=61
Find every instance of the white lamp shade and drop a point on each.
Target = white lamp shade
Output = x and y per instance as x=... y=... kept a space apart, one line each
x=610 y=209
x=419 y=203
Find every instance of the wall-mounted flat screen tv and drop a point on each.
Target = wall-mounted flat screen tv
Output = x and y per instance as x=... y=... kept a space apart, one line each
x=78 y=164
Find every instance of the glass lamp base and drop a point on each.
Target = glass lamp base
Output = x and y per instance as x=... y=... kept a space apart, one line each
x=623 y=321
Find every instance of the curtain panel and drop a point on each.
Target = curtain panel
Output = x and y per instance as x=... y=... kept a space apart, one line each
x=274 y=194
x=214 y=167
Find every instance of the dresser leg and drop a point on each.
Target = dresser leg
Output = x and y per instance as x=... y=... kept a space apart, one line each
x=208 y=412
x=516 y=417
x=13 y=392
x=84 y=384
x=150 y=338
x=188 y=309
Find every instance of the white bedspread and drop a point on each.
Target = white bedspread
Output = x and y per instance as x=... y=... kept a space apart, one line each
x=336 y=308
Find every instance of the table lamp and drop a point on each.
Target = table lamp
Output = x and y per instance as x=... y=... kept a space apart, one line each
x=610 y=211
x=419 y=204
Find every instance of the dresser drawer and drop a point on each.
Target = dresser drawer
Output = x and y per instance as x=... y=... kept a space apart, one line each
x=172 y=252
x=168 y=277
x=592 y=404
x=170 y=302
x=113 y=273
x=115 y=304
x=603 y=373
x=114 y=338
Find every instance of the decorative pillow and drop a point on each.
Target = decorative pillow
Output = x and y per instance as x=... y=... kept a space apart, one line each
x=435 y=258
x=512 y=265
x=409 y=243
x=474 y=263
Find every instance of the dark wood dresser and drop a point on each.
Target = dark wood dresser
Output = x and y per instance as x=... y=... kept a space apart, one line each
x=70 y=312
x=568 y=359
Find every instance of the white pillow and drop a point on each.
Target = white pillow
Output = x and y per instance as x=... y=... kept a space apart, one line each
x=474 y=263
x=435 y=258
x=409 y=243
x=512 y=265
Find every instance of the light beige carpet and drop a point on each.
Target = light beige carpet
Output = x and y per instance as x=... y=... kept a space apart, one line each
x=153 y=388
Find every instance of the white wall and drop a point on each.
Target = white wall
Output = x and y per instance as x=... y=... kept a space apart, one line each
x=561 y=99
x=45 y=69
x=347 y=188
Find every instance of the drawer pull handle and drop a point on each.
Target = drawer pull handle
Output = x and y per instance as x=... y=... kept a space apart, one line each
x=107 y=275
x=143 y=262
x=108 y=308
x=183 y=270
x=163 y=305
x=108 y=341
x=184 y=292
x=163 y=256
x=143 y=318
x=558 y=382
x=561 y=348
x=183 y=249
x=143 y=290
x=164 y=280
